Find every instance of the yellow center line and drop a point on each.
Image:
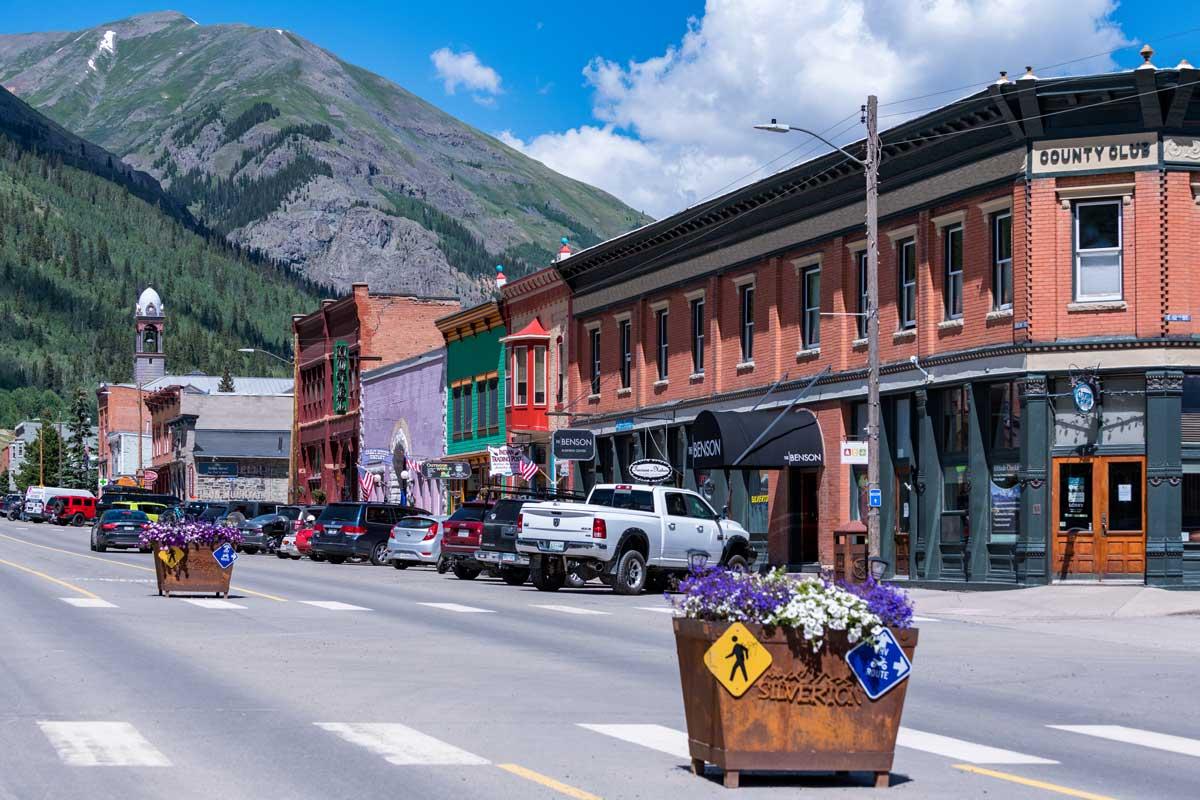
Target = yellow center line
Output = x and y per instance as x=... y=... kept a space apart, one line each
x=548 y=782
x=52 y=579
x=130 y=566
x=1049 y=787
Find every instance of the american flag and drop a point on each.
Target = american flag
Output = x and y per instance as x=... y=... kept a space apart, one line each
x=366 y=483
x=527 y=469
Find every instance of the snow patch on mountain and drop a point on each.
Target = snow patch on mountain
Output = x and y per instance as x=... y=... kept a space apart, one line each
x=108 y=44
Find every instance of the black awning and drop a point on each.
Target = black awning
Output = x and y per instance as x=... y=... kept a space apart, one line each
x=720 y=437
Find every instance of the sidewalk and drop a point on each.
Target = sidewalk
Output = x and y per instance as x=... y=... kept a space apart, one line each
x=1056 y=602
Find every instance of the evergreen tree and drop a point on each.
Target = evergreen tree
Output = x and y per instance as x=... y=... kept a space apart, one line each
x=5 y=481
x=43 y=459
x=226 y=384
x=77 y=472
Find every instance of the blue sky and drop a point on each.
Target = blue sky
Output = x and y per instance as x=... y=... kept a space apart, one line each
x=633 y=97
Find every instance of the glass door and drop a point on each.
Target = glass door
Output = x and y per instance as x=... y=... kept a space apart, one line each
x=1123 y=518
x=1075 y=519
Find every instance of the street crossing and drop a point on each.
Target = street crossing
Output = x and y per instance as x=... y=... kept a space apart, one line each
x=401 y=745
x=101 y=744
x=87 y=602
x=1136 y=736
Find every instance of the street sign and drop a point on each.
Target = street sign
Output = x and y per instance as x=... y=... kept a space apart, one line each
x=171 y=556
x=572 y=445
x=879 y=672
x=446 y=470
x=623 y=425
x=854 y=452
x=737 y=659
x=225 y=555
x=875 y=498
x=651 y=470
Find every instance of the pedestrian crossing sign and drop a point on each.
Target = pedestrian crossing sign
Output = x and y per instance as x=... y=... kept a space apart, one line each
x=171 y=556
x=737 y=659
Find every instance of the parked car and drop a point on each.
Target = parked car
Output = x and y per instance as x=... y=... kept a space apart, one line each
x=416 y=540
x=357 y=530
x=36 y=498
x=11 y=505
x=70 y=510
x=463 y=531
x=628 y=535
x=120 y=528
x=231 y=510
x=150 y=508
x=265 y=532
x=119 y=494
x=498 y=544
x=305 y=526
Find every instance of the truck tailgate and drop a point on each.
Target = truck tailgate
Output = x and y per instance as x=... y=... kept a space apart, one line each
x=544 y=521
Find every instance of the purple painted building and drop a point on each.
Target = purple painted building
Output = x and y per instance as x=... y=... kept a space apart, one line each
x=403 y=426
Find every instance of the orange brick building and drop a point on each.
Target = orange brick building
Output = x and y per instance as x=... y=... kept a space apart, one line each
x=1038 y=299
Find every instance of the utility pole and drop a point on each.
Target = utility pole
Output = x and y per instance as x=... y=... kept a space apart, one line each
x=872 y=310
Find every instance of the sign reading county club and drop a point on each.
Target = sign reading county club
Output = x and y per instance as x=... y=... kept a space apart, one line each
x=225 y=555
x=879 y=672
x=1096 y=153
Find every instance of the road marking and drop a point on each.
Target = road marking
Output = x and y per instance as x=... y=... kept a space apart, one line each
x=1119 y=733
x=240 y=589
x=210 y=602
x=1049 y=787
x=400 y=744
x=925 y=619
x=102 y=744
x=334 y=606
x=573 y=610
x=52 y=579
x=656 y=737
x=458 y=608
x=87 y=602
x=657 y=609
x=548 y=782
x=961 y=750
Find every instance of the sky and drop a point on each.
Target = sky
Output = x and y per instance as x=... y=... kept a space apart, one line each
x=655 y=101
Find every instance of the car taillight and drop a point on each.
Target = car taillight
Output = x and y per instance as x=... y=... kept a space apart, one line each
x=108 y=526
x=392 y=535
x=520 y=522
x=432 y=532
x=319 y=528
x=354 y=530
x=599 y=529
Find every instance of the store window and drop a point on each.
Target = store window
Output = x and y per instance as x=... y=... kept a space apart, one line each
x=956 y=411
x=1098 y=250
x=1005 y=499
x=1191 y=498
x=626 y=337
x=907 y=281
x=1002 y=277
x=759 y=486
x=810 y=302
x=859 y=419
x=539 y=376
x=1118 y=418
x=1004 y=416
x=954 y=272
x=956 y=496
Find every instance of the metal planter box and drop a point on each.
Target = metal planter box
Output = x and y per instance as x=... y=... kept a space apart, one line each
x=807 y=713
x=197 y=573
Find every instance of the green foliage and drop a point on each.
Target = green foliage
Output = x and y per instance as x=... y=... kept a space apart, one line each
x=77 y=472
x=318 y=132
x=44 y=456
x=533 y=255
x=226 y=384
x=259 y=112
x=28 y=402
x=186 y=133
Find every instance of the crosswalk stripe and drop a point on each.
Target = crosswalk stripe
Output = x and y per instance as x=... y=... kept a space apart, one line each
x=1120 y=733
x=209 y=602
x=573 y=610
x=400 y=744
x=962 y=750
x=656 y=737
x=333 y=605
x=87 y=602
x=102 y=744
x=925 y=619
x=461 y=609
x=656 y=609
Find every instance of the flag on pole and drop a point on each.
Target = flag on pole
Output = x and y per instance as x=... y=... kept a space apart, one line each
x=527 y=468
x=366 y=483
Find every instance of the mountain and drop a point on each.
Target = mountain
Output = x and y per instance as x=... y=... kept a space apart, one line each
x=81 y=234
x=282 y=146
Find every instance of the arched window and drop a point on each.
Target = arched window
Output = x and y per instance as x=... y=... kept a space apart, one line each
x=150 y=339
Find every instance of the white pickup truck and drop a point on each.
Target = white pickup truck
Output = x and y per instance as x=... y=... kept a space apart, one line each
x=632 y=537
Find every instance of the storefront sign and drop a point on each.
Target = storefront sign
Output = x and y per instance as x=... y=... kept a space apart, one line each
x=446 y=470
x=651 y=470
x=1006 y=502
x=1084 y=395
x=757 y=439
x=854 y=452
x=1127 y=151
x=504 y=460
x=623 y=425
x=572 y=445
x=218 y=469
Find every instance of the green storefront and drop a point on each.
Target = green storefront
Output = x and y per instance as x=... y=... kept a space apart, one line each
x=474 y=385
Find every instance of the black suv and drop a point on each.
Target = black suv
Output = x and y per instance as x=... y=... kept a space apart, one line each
x=498 y=544
x=357 y=530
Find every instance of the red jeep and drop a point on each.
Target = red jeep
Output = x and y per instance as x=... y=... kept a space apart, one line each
x=461 y=537
x=70 y=510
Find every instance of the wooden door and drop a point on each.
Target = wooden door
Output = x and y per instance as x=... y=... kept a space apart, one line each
x=1123 y=517
x=1099 y=517
x=1076 y=522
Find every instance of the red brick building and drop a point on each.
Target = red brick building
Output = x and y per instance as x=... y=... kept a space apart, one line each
x=376 y=328
x=1037 y=251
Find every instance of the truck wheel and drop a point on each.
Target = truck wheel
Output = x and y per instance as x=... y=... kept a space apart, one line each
x=737 y=564
x=515 y=577
x=547 y=578
x=77 y=520
x=466 y=573
x=443 y=565
x=631 y=573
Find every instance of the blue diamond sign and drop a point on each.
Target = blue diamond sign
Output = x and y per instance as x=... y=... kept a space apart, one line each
x=879 y=671
x=225 y=555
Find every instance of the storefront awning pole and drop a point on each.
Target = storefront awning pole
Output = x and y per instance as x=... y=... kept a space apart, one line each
x=799 y=396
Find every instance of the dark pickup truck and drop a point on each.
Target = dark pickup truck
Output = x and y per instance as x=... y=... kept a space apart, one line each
x=498 y=542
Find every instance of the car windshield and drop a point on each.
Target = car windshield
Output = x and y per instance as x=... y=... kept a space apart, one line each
x=505 y=511
x=213 y=512
x=291 y=512
x=415 y=523
x=262 y=519
x=468 y=514
x=341 y=512
x=124 y=515
x=634 y=500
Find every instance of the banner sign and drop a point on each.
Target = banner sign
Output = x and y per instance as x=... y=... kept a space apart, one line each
x=854 y=452
x=572 y=445
x=504 y=460
x=446 y=470
x=218 y=469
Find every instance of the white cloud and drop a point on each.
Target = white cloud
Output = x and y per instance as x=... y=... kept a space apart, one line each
x=673 y=128
x=465 y=70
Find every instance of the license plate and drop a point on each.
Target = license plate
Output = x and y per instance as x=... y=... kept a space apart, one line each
x=557 y=547
x=508 y=557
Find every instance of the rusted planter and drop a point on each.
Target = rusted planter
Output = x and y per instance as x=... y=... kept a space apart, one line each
x=197 y=573
x=807 y=713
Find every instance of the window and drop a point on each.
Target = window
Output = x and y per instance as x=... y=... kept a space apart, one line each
x=1098 y=251
x=660 y=323
x=955 y=418
x=676 y=505
x=562 y=371
x=698 y=336
x=462 y=414
x=699 y=509
x=906 y=299
x=1002 y=279
x=594 y=336
x=1004 y=414
x=626 y=328
x=493 y=386
x=746 y=302
x=862 y=294
x=810 y=301
x=521 y=373
x=539 y=376
x=487 y=390
x=954 y=272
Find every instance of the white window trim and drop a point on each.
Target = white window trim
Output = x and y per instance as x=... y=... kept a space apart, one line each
x=993 y=218
x=624 y=316
x=1120 y=249
x=804 y=262
x=698 y=294
x=692 y=337
x=745 y=280
x=1000 y=204
x=1106 y=191
x=857 y=246
x=953 y=218
x=621 y=354
x=545 y=375
x=906 y=325
x=660 y=305
x=662 y=360
x=946 y=272
x=907 y=232
x=746 y=283
x=804 y=273
x=591 y=326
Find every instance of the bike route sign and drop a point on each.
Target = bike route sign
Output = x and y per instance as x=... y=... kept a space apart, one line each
x=879 y=672
x=225 y=555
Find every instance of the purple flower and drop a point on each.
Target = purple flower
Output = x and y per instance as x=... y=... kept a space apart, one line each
x=716 y=594
x=161 y=536
x=887 y=602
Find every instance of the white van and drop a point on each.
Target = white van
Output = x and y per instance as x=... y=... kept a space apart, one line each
x=36 y=498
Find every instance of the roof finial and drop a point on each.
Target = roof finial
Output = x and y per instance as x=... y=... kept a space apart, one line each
x=1028 y=76
x=1184 y=64
x=1147 y=52
x=1003 y=77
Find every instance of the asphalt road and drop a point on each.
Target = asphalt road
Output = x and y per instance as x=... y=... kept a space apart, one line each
x=339 y=681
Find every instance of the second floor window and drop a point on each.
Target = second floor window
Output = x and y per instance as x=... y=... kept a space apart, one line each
x=594 y=337
x=954 y=272
x=463 y=415
x=861 y=309
x=906 y=299
x=746 y=302
x=539 y=376
x=521 y=376
x=626 y=329
x=660 y=323
x=1098 y=251
x=487 y=393
x=810 y=302
x=698 y=336
x=562 y=371
x=1002 y=278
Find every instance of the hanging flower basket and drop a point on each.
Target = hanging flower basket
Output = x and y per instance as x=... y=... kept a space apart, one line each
x=788 y=700
x=185 y=556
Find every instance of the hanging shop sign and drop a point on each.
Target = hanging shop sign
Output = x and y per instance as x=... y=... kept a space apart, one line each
x=651 y=470
x=573 y=445
x=1084 y=395
x=446 y=470
x=854 y=452
x=505 y=460
x=623 y=425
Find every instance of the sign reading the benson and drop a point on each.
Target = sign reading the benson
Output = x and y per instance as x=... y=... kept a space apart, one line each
x=1093 y=154
x=572 y=445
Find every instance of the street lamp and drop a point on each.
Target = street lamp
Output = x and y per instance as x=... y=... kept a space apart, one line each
x=405 y=477
x=870 y=167
x=287 y=361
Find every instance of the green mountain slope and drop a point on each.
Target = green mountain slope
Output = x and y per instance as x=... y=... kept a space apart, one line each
x=286 y=148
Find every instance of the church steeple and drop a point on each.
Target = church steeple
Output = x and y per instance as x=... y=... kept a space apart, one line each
x=149 y=361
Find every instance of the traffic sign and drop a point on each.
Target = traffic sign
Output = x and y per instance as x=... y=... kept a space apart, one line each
x=225 y=555
x=879 y=672
x=875 y=498
x=737 y=659
x=171 y=556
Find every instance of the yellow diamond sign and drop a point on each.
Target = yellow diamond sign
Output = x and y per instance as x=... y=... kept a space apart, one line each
x=737 y=659
x=171 y=557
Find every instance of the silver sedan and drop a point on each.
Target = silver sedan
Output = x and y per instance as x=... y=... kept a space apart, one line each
x=415 y=540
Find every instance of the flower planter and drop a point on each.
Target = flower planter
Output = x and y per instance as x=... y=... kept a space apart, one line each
x=806 y=713
x=196 y=573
